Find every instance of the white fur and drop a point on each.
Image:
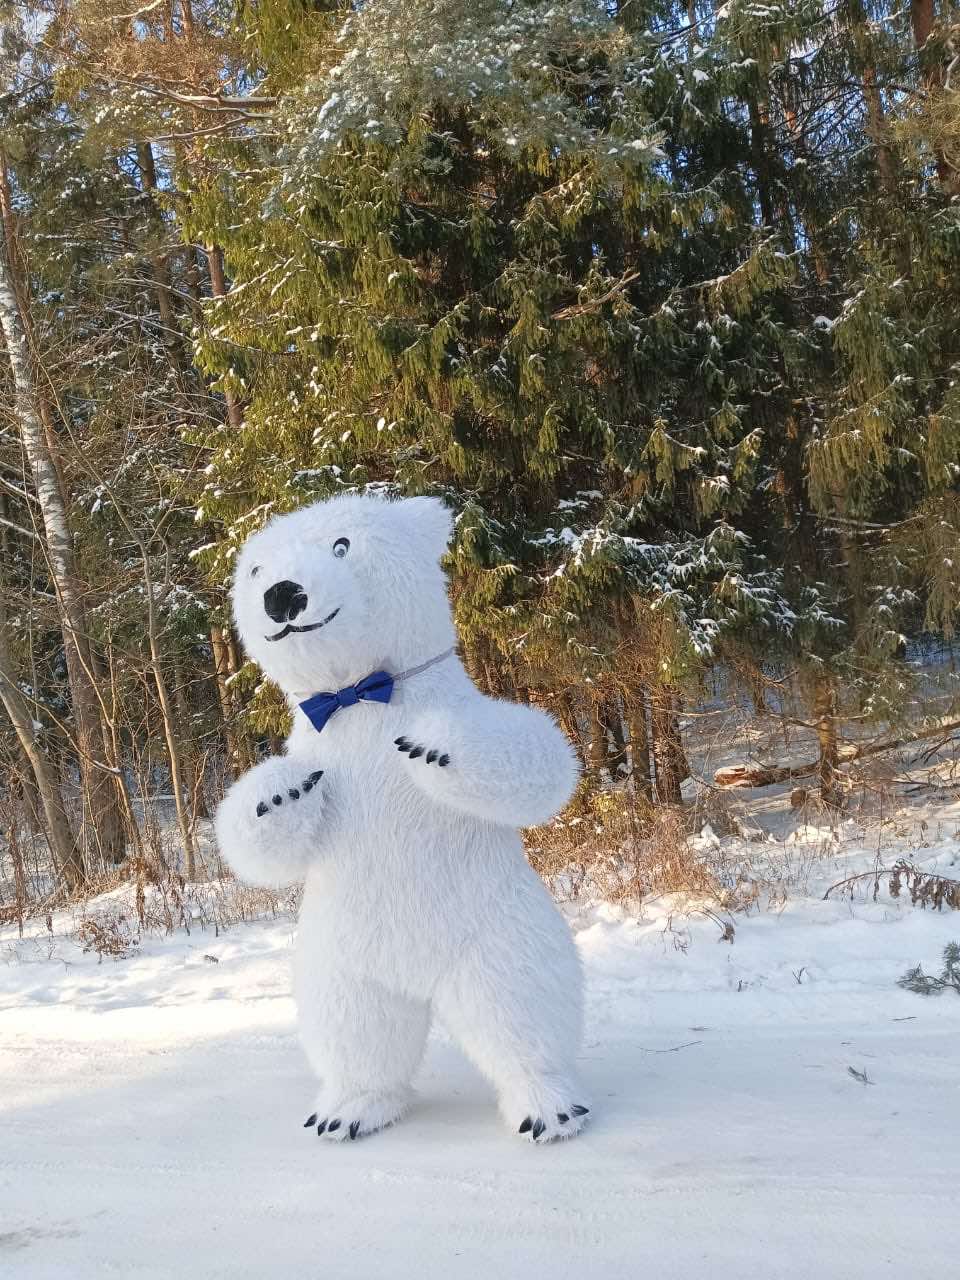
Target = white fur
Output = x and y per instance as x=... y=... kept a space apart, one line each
x=418 y=897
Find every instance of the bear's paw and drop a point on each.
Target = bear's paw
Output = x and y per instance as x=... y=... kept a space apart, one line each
x=354 y=1116
x=292 y=793
x=547 y=1115
x=415 y=750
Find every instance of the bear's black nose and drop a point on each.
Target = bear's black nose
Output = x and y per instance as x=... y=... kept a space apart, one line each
x=284 y=600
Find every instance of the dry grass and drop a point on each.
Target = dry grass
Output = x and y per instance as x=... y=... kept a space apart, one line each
x=113 y=925
x=608 y=846
x=616 y=849
x=148 y=897
x=621 y=850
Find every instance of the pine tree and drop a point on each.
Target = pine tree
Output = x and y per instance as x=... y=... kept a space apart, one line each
x=476 y=269
x=660 y=298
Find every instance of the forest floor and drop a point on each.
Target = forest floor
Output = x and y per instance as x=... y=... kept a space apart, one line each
x=773 y=1103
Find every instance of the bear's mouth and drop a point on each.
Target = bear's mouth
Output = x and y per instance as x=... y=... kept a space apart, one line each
x=310 y=626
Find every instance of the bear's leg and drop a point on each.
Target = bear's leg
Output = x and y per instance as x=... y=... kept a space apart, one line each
x=365 y=1043
x=514 y=1006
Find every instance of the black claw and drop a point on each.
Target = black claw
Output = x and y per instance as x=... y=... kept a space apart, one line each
x=277 y=800
x=400 y=742
x=579 y=1111
x=333 y=1126
x=525 y=1127
x=431 y=756
x=444 y=760
x=562 y=1117
x=354 y=1129
x=306 y=787
x=320 y=1127
x=404 y=746
x=310 y=1121
x=417 y=751
x=293 y=793
x=261 y=809
x=538 y=1128
x=316 y=775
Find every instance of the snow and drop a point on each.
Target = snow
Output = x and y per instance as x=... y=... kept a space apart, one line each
x=151 y=1109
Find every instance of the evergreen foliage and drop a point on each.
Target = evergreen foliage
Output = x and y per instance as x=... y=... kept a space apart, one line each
x=924 y=984
x=660 y=298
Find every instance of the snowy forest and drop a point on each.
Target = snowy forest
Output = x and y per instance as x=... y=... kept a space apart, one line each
x=661 y=300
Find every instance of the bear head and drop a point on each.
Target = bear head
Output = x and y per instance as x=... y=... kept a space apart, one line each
x=325 y=595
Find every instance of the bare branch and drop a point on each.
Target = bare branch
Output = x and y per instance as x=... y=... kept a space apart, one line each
x=27 y=533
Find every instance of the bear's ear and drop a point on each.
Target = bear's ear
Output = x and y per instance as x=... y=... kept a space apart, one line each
x=432 y=519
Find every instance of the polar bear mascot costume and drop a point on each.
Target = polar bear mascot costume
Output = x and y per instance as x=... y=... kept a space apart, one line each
x=398 y=801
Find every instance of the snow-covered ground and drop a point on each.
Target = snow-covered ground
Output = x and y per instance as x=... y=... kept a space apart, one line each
x=151 y=1111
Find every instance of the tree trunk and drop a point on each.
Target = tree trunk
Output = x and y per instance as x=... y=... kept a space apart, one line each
x=192 y=762
x=922 y=18
x=30 y=794
x=221 y=667
x=17 y=273
x=218 y=287
x=825 y=711
x=878 y=132
x=244 y=742
x=668 y=754
x=877 y=129
x=810 y=213
x=167 y=716
x=599 y=749
x=751 y=672
x=173 y=755
x=759 y=117
x=609 y=711
x=567 y=715
x=640 y=748
x=103 y=829
x=158 y=261
x=57 y=828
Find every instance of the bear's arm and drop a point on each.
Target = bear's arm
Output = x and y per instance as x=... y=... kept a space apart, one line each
x=275 y=821
x=499 y=761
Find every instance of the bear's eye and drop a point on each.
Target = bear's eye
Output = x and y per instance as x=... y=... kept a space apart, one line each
x=254 y=571
x=341 y=547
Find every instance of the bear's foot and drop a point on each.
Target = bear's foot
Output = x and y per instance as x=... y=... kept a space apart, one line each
x=356 y=1115
x=545 y=1114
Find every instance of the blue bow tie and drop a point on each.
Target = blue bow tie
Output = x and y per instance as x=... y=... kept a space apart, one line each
x=376 y=687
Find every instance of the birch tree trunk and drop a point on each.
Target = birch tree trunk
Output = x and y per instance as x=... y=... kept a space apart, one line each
x=103 y=830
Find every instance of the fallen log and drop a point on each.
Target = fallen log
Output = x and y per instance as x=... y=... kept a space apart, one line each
x=768 y=775
x=761 y=775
